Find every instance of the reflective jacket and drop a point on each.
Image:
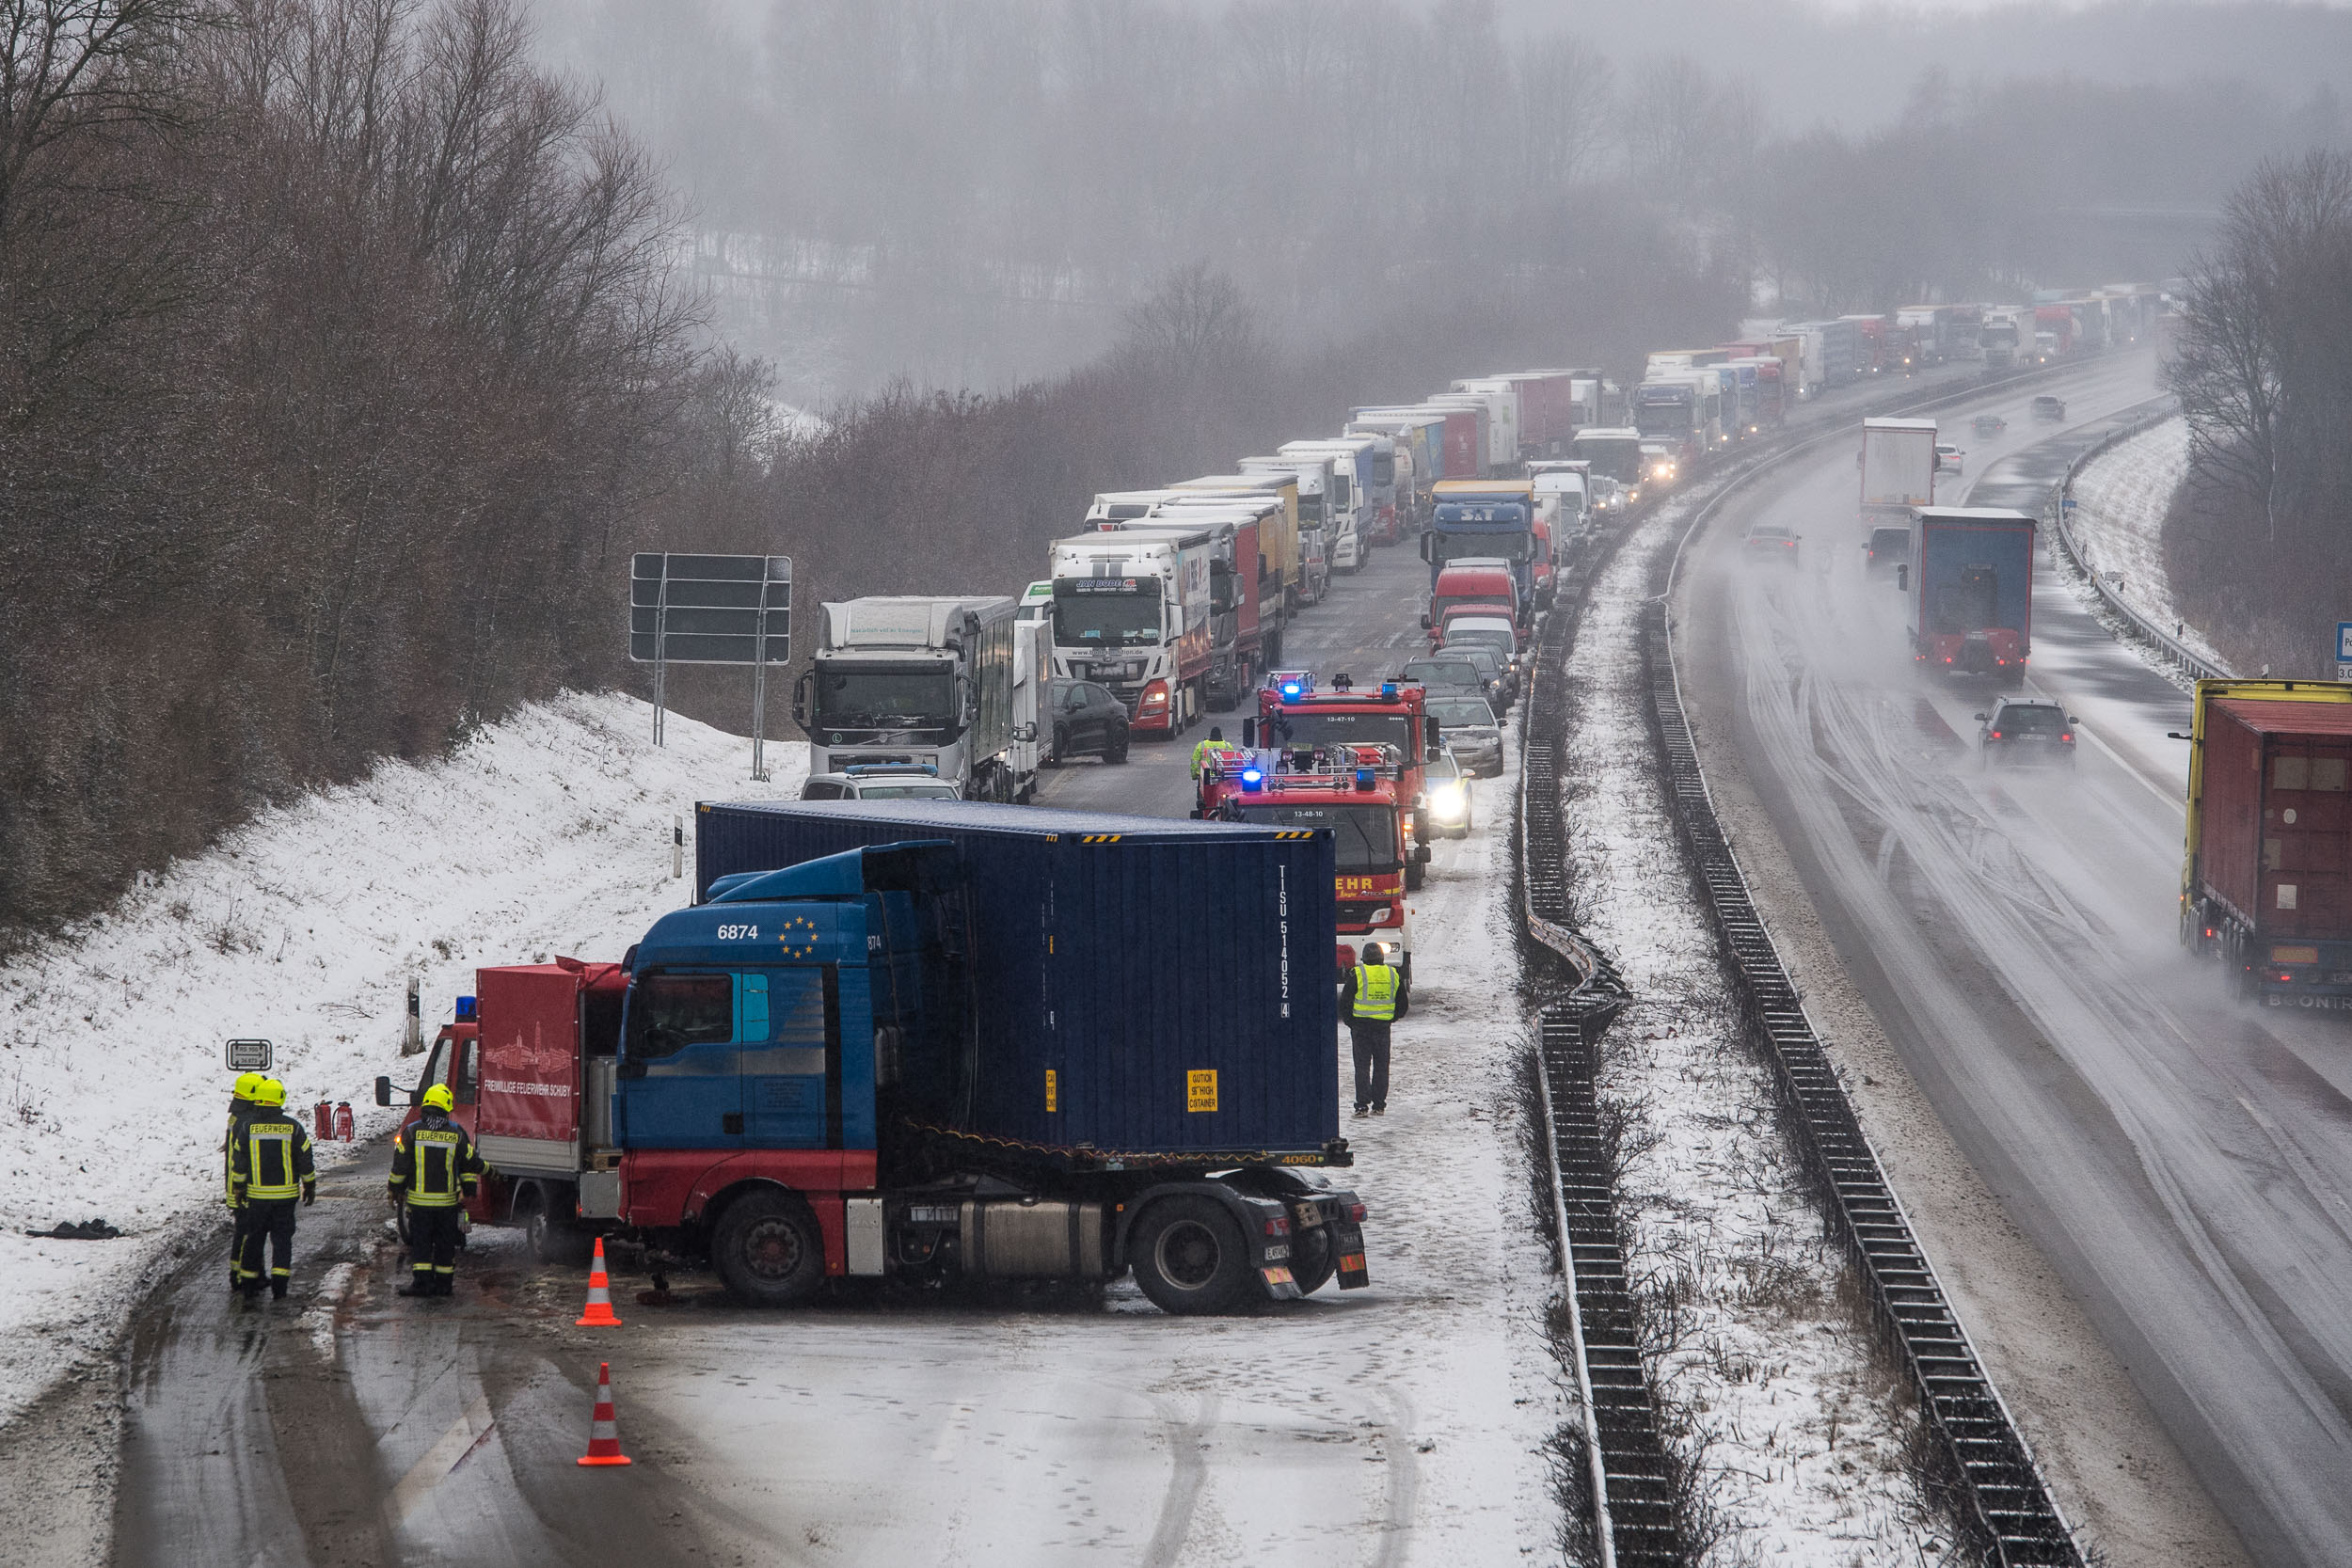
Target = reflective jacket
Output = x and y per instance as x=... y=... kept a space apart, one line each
x=269 y=1158
x=434 y=1167
x=1201 y=752
x=1374 y=989
x=240 y=1110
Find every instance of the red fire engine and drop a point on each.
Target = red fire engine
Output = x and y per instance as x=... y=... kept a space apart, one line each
x=1292 y=714
x=1356 y=792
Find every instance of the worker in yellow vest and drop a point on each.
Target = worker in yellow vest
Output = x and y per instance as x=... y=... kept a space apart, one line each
x=1368 y=1004
x=1217 y=742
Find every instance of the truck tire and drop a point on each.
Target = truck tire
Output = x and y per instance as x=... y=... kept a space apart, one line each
x=1189 y=1256
x=554 y=1240
x=768 y=1250
x=1313 y=1258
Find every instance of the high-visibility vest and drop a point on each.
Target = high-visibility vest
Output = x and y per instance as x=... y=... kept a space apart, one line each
x=1201 y=751
x=1375 y=992
x=271 y=1160
x=435 y=1165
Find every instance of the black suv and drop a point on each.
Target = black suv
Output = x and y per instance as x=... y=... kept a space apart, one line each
x=2026 y=729
x=1086 y=719
x=2046 y=407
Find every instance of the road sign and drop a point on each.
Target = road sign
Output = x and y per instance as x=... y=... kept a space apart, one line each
x=712 y=609
x=249 y=1055
x=2344 y=650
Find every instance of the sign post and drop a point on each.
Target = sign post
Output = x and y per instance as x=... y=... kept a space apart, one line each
x=712 y=610
x=2344 y=650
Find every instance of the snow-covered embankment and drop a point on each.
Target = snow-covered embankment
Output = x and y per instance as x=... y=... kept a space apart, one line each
x=549 y=834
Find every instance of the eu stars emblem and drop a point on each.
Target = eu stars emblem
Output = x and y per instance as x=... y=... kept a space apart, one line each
x=799 y=938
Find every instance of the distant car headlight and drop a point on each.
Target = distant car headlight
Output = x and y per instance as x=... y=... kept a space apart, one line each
x=1450 y=802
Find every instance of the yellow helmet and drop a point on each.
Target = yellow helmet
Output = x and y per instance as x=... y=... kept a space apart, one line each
x=437 y=1097
x=246 y=1082
x=269 y=1091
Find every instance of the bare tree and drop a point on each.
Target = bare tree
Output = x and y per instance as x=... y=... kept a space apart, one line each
x=1195 y=324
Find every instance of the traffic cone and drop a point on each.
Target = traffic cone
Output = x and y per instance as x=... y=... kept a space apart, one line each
x=599 y=1312
x=604 y=1438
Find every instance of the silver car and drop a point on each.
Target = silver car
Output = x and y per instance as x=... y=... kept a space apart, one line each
x=1467 y=727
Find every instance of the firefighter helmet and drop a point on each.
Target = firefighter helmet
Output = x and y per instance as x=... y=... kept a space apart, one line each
x=437 y=1097
x=269 y=1091
x=246 y=1085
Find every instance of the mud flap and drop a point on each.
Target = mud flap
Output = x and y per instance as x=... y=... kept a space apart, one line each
x=1348 y=1238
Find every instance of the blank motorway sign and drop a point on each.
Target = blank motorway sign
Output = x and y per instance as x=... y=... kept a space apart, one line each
x=710 y=609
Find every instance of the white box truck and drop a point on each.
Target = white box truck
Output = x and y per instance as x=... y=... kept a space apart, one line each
x=929 y=682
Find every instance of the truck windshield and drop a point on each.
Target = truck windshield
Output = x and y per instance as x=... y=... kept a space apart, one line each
x=1619 y=458
x=1121 y=617
x=1329 y=727
x=1445 y=546
x=1663 y=419
x=1364 y=836
x=864 y=697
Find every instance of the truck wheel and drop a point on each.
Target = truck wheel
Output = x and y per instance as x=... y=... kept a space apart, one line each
x=556 y=1240
x=1405 y=987
x=768 y=1250
x=1189 y=1256
x=1313 y=1258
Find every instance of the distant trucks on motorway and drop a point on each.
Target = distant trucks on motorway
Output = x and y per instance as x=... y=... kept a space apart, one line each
x=2266 y=882
x=934 y=1041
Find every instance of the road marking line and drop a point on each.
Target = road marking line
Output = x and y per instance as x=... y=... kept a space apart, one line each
x=441 y=1458
x=319 y=1319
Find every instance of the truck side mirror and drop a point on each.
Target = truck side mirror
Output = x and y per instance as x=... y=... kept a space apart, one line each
x=1250 y=733
x=1902 y=579
x=800 y=697
x=1424 y=621
x=383 y=1091
x=1431 y=730
x=1424 y=545
x=1024 y=733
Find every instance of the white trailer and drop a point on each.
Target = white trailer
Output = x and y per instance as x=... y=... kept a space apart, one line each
x=1898 y=462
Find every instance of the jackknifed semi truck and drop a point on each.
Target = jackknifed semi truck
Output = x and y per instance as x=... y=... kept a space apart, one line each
x=930 y=1042
x=2267 y=885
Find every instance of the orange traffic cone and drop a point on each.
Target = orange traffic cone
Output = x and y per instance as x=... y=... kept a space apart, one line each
x=599 y=1312
x=604 y=1438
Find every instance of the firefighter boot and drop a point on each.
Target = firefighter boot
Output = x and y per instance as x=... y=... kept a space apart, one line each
x=420 y=1283
x=277 y=1286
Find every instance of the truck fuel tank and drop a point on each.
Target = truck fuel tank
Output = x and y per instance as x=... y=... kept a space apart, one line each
x=1031 y=1239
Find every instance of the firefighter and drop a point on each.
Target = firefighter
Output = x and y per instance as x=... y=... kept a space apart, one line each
x=435 y=1168
x=269 y=1172
x=239 y=1106
x=1368 y=1002
x=1215 y=742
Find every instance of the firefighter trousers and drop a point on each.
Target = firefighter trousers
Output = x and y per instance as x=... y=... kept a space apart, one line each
x=262 y=1220
x=1370 y=1037
x=433 y=1245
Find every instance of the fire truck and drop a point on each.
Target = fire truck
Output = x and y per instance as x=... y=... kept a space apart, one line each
x=1358 y=794
x=1293 y=713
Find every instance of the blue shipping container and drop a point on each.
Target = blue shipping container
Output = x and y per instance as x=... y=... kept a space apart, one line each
x=1173 y=978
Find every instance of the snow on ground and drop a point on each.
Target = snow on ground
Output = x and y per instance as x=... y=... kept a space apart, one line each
x=2121 y=498
x=549 y=834
x=1767 y=1372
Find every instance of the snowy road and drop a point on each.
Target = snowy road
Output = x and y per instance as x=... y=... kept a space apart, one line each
x=2177 y=1155
x=1403 y=1422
